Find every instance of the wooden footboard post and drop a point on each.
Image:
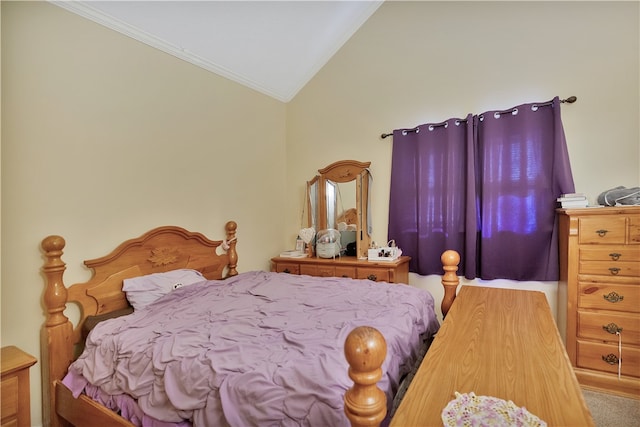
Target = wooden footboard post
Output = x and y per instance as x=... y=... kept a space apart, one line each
x=365 y=404
x=57 y=332
x=450 y=260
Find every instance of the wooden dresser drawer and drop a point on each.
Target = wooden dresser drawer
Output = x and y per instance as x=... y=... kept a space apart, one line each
x=9 y=401
x=603 y=357
x=610 y=268
x=309 y=270
x=633 y=237
x=345 y=272
x=317 y=270
x=605 y=230
x=609 y=296
x=375 y=274
x=603 y=326
x=612 y=253
x=285 y=267
x=323 y=271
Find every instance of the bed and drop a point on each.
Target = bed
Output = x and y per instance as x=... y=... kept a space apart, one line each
x=83 y=379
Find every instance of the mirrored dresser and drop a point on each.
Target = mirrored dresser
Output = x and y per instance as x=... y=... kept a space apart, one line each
x=337 y=200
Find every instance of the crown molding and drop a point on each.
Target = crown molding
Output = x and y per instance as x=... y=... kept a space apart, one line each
x=85 y=10
x=284 y=94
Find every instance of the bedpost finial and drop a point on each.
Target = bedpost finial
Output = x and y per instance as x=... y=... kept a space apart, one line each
x=365 y=348
x=53 y=246
x=364 y=403
x=450 y=260
x=231 y=226
x=53 y=243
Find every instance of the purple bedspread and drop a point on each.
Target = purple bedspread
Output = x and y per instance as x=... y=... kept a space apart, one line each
x=257 y=349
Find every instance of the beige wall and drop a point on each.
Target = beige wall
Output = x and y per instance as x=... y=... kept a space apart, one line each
x=421 y=62
x=104 y=138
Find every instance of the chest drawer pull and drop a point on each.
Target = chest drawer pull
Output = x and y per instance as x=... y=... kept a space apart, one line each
x=615 y=256
x=602 y=232
x=611 y=359
x=613 y=297
x=372 y=277
x=286 y=270
x=612 y=328
x=614 y=270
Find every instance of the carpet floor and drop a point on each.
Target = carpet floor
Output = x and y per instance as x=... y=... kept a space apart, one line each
x=612 y=411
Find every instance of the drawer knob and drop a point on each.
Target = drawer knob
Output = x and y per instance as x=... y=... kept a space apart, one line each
x=612 y=328
x=286 y=270
x=614 y=270
x=372 y=277
x=615 y=256
x=613 y=297
x=611 y=359
x=602 y=232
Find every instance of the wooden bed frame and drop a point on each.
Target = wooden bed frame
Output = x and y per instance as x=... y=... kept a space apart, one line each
x=159 y=250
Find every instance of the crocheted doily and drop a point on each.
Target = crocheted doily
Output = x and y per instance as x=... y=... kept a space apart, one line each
x=469 y=410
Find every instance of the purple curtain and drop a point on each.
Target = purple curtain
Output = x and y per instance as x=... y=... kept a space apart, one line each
x=484 y=186
x=432 y=201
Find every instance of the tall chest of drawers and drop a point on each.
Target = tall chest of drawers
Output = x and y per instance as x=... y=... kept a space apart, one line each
x=599 y=296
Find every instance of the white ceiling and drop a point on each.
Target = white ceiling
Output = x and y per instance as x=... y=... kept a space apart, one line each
x=274 y=47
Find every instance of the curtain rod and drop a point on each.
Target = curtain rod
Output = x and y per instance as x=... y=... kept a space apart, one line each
x=569 y=100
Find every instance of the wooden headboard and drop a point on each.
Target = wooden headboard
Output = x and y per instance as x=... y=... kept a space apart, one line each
x=159 y=250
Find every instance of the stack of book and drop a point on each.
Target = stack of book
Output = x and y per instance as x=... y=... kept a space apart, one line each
x=573 y=200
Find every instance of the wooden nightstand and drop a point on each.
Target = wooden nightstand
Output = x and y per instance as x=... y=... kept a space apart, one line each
x=16 y=411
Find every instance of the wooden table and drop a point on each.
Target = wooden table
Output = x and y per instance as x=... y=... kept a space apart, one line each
x=502 y=343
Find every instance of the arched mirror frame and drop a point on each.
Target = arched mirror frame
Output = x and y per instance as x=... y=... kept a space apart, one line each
x=342 y=171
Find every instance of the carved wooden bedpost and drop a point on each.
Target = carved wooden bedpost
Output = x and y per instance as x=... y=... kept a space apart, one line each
x=57 y=332
x=365 y=404
x=450 y=281
x=231 y=227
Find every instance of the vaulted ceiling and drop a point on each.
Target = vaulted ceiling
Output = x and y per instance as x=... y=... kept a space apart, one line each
x=274 y=47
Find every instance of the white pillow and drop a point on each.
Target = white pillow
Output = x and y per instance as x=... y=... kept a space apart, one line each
x=142 y=291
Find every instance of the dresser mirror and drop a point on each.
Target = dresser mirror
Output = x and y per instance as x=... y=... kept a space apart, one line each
x=338 y=198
